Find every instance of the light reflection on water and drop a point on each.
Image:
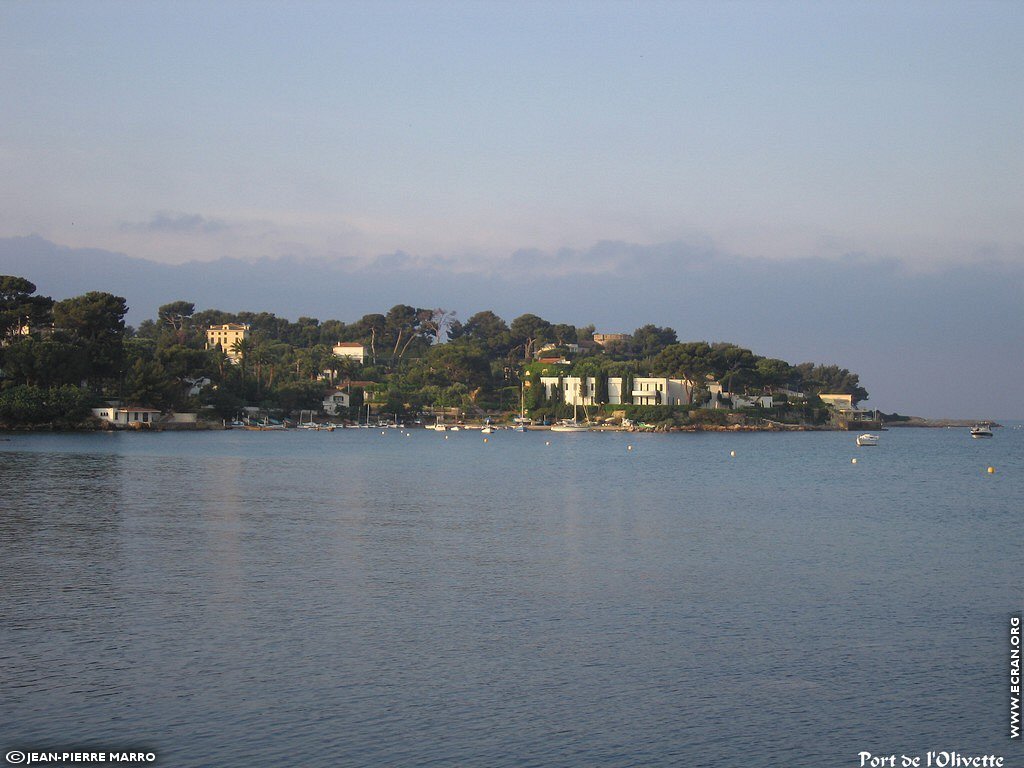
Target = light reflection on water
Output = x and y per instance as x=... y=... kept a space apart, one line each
x=353 y=598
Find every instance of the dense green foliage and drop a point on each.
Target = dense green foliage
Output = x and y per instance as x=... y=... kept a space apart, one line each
x=62 y=406
x=57 y=357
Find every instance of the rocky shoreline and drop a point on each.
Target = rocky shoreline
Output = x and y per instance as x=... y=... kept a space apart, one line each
x=916 y=421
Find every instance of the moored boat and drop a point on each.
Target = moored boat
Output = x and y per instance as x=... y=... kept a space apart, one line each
x=867 y=439
x=984 y=429
x=569 y=425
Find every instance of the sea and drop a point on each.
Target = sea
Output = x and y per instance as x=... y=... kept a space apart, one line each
x=392 y=597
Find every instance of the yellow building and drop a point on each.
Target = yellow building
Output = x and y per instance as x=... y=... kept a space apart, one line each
x=605 y=338
x=846 y=416
x=839 y=402
x=225 y=336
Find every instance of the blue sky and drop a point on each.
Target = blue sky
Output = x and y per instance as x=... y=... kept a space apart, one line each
x=459 y=134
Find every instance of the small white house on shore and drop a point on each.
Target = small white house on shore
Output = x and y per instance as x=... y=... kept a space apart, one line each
x=127 y=416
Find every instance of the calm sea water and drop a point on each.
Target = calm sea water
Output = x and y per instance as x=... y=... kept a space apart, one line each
x=357 y=598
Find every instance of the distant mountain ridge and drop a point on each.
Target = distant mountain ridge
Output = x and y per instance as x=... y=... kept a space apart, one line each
x=923 y=342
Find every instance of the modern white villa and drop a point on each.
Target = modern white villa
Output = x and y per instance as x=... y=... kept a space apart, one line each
x=350 y=349
x=644 y=390
x=648 y=390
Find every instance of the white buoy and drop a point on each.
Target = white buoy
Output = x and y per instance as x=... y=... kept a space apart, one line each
x=853 y=461
x=991 y=470
x=485 y=439
x=629 y=447
x=547 y=443
x=733 y=454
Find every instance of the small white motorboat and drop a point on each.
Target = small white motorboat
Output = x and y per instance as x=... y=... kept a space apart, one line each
x=984 y=429
x=867 y=439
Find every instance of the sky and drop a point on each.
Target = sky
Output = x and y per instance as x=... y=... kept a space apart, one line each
x=525 y=145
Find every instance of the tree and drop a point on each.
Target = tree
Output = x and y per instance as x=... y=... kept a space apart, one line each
x=401 y=324
x=490 y=330
x=463 y=362
x=649 y=340
x=44 y=362
x=733 y=365
x=434 y=324
x=832 y=379
x=147 y=383
x=369 y=329
x=564 y=333
x=773 y=372
x=243 y=348
x=301 y=395
x=26 y=404
x=586 y=333
x=96 y=319
x=176 y=315
x=19 y=308
x=530 y=331
x=692 y=361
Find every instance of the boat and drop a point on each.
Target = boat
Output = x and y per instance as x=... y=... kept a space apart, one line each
x=984 y=429
x=867 y=439
x=573 y=424
x=521 y=419
x=307 y=424
x=266 y=426
x=569 y=425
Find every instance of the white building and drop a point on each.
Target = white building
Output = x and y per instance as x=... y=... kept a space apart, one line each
x=128 y=416
x=574 y=390
x=350 y=349
x=719 y=396
x=195 y=386
x=650 y=390
x=334 y=401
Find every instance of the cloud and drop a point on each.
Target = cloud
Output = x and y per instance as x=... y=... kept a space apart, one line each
x=177 y=223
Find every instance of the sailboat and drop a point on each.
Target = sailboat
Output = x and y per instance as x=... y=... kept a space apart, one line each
x=521 y=421
x=357 y=425
x=439 y=426
x=573 y=425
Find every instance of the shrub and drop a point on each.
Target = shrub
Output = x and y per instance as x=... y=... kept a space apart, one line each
x=26 y=405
